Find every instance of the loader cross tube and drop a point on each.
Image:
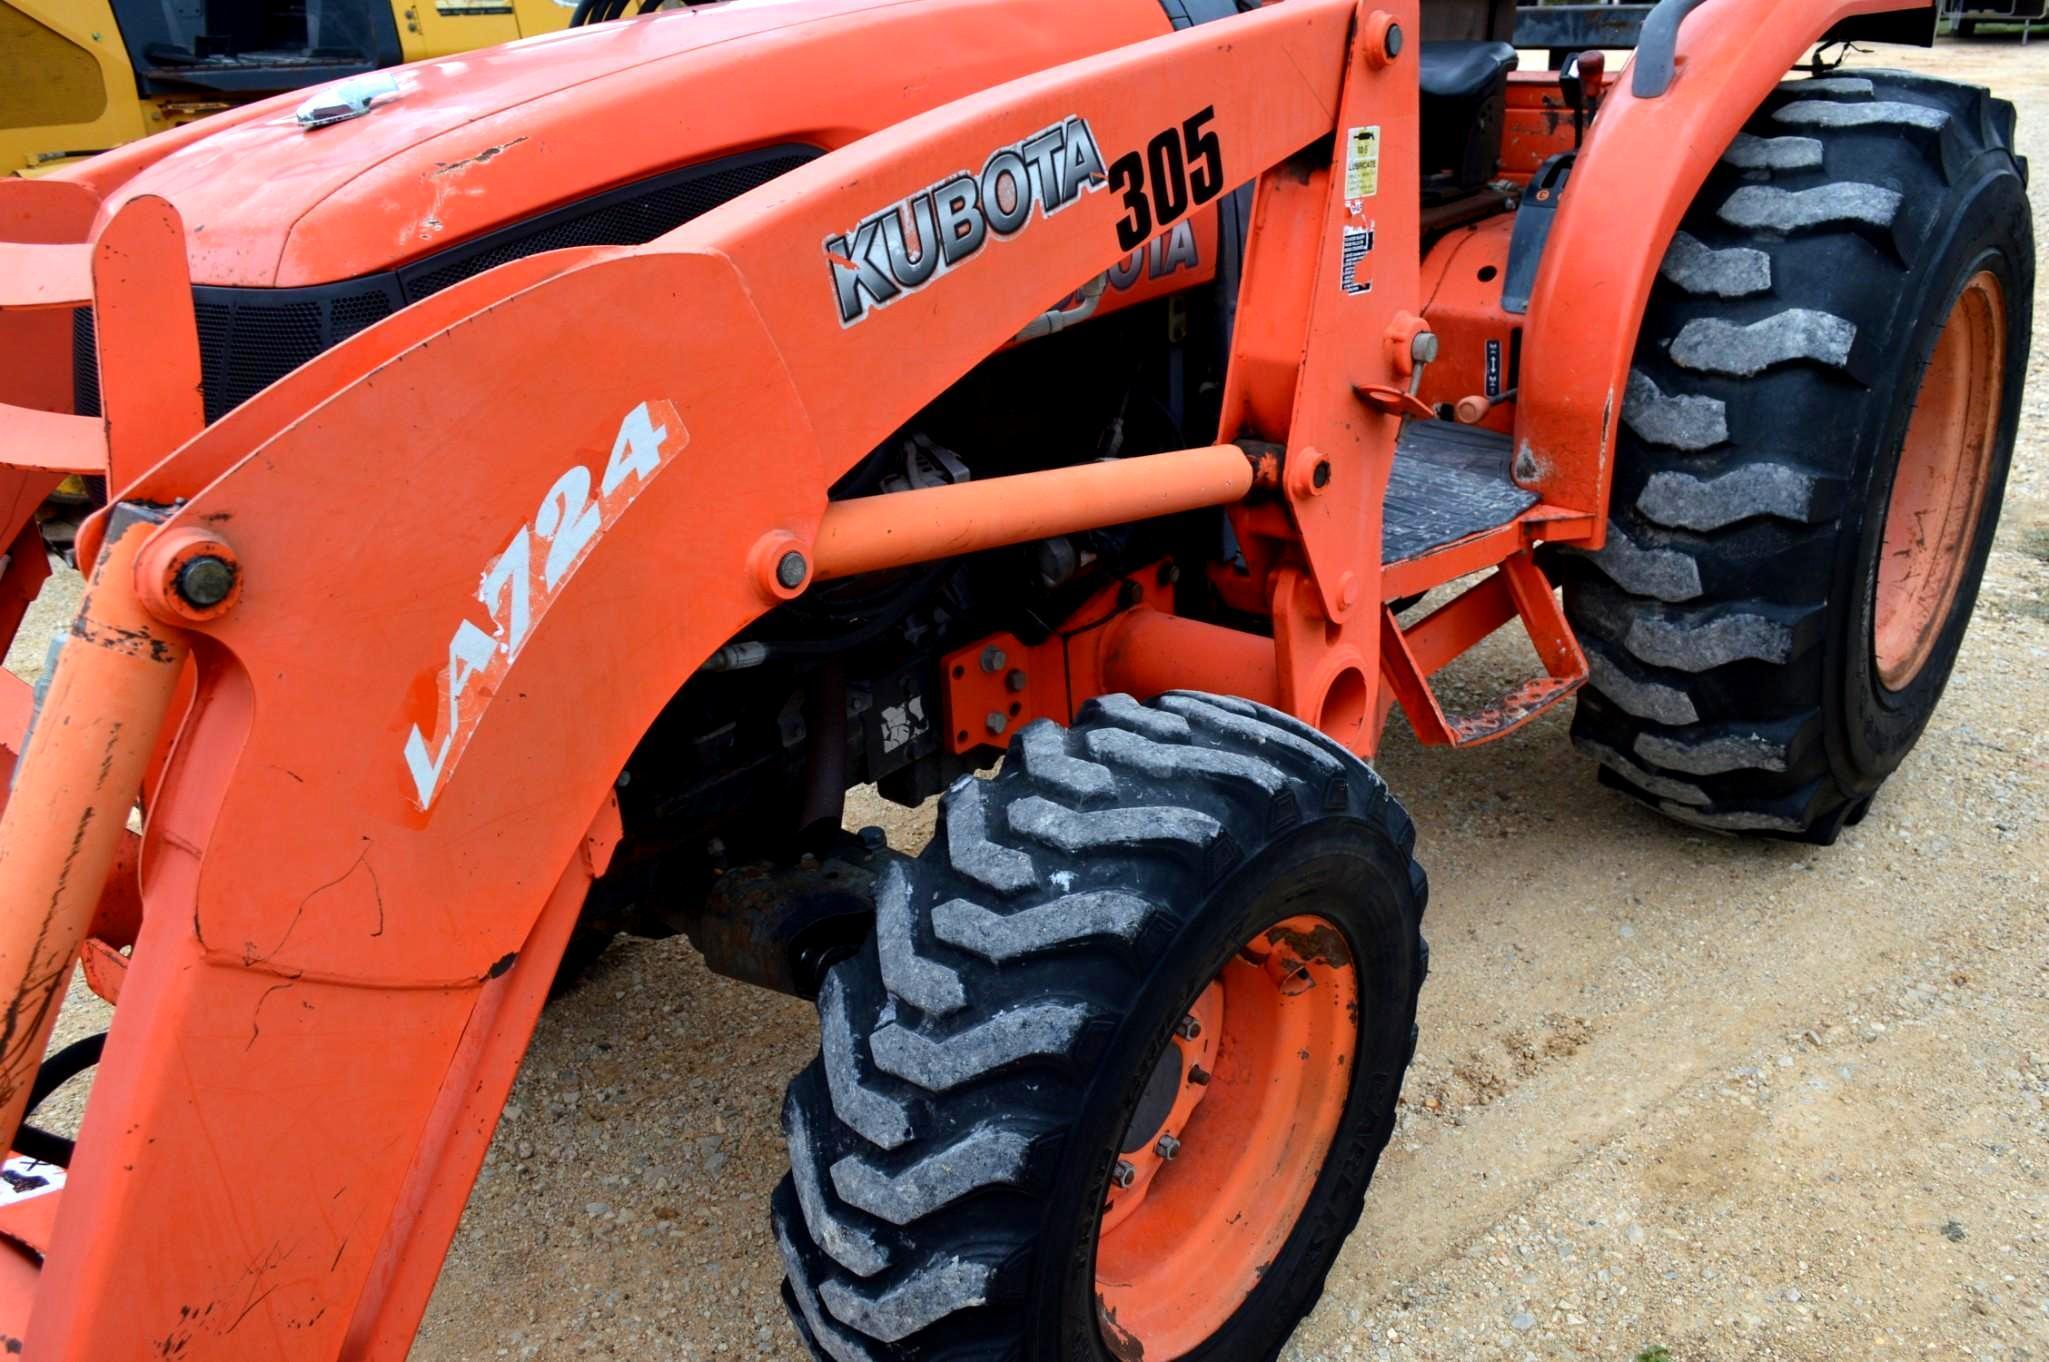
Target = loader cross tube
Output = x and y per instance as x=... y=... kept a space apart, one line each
x=901 y=529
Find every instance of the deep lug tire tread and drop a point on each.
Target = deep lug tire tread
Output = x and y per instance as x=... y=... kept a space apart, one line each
x=957 y=1045
x=1708 y=615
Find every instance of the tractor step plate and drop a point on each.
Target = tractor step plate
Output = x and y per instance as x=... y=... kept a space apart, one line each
x=1449 y=482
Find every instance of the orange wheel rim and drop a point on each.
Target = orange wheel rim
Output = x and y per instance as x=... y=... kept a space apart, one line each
x=1196 y=1213
x=1938 y=492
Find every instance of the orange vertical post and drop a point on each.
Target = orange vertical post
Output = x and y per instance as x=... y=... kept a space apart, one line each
x=147 y=336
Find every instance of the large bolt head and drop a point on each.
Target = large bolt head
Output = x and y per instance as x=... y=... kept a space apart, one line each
x=1123 y=1174
x=790 y=570
x=205 y=581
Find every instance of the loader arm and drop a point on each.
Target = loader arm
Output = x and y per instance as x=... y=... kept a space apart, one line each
x=532 y=522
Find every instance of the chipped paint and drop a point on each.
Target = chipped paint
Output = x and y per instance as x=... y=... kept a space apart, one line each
x=1121 y=1342
x=488 y=154
x=1324 y=945
x=1518 y=707
x=448 y=180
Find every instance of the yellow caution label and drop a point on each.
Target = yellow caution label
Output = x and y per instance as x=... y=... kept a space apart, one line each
x=1362 y=162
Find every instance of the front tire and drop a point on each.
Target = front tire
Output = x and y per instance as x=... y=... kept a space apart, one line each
x=1159 y=975
x=1814 y=447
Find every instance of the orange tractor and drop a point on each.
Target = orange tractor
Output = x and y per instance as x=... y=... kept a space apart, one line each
x=519 y=496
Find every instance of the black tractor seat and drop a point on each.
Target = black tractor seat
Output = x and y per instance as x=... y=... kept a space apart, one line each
x=1463 y=71
x=1465 y=99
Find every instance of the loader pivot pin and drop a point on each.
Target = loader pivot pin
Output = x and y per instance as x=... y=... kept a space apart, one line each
x=206 y=581
x=780 y=566
x=1382 y=40
x=187 y=575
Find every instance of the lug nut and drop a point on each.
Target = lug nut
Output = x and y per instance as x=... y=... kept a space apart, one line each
x=1198 y=1076
x=205 y=581
x=790 y=570
x=993 y=659
x=1016 y=682
x=998 y=721
x=1188 y=1029
x=1123 y=1174
x=1168 y=1147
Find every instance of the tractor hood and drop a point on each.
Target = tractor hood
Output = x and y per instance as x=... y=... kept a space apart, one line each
x=474 y=143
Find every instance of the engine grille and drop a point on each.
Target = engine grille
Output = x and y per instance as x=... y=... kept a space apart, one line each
x=251 y=337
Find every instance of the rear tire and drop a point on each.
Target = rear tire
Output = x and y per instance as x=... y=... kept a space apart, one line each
x=1742 y=623
x=986 y=1057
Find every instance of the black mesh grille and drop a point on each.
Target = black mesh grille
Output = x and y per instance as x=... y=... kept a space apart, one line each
x=351 y=315
x=621 y=218
x=250 y=338
x=85 y=364
x=241 y=350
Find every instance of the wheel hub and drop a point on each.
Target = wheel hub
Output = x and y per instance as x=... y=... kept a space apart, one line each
x=1938 y=491
x=1207 y=1187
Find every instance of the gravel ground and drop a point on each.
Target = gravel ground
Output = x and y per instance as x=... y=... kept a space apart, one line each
x=1735 y=1100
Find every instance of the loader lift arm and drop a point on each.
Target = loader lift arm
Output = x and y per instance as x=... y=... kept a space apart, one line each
x=278 y=937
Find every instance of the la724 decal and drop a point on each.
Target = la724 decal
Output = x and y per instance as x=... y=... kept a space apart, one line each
x=519 y=585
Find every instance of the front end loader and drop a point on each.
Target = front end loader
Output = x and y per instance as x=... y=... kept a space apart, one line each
x=517 y=508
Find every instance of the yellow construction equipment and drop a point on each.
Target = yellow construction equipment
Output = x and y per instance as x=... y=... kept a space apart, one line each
x=80 y=76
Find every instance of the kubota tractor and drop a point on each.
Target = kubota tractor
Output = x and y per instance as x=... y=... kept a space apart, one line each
x=535 y=493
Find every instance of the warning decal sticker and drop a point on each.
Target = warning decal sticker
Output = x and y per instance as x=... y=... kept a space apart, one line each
x=1357 y=274
x=1362 y=162
x=22 y=1178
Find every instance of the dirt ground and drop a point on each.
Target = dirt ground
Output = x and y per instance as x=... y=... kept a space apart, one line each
x=1735 y=1100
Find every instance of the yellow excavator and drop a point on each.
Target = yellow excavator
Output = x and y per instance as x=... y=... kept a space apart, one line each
x=80 y=76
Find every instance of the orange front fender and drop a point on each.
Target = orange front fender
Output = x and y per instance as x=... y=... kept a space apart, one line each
x=1643 y=163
